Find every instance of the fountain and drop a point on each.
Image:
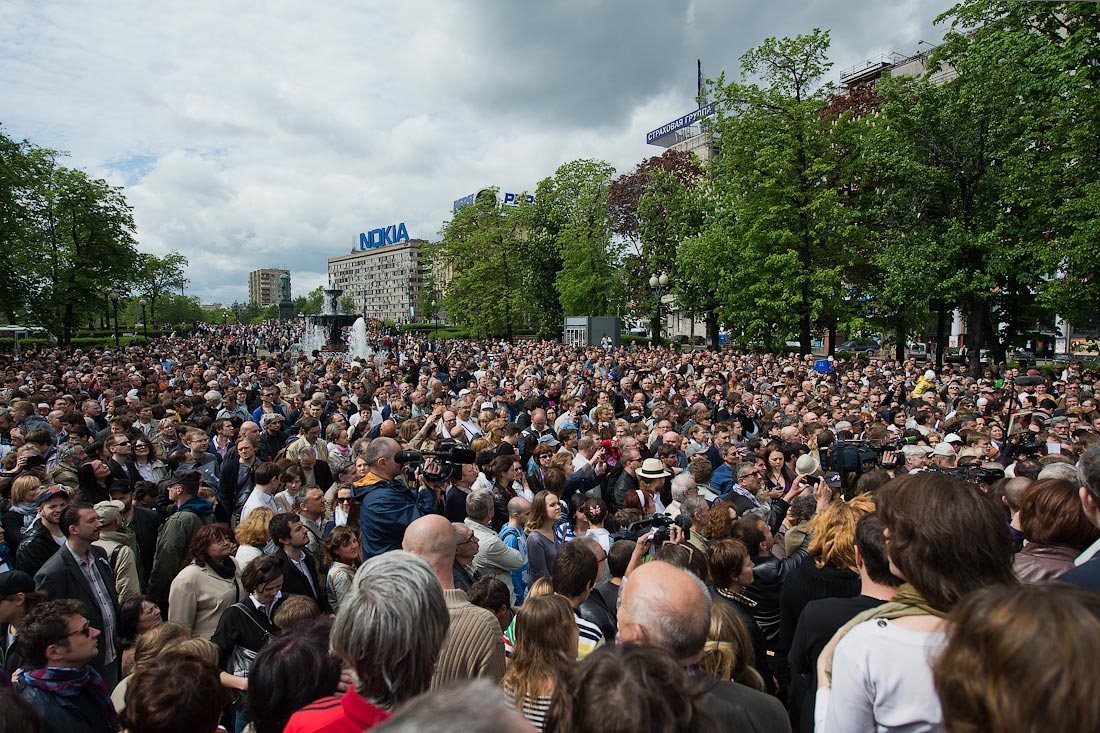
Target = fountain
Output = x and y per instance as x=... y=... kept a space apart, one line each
x=358 y=347
x=325 y=331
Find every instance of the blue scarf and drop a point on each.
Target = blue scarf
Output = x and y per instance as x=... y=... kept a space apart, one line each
x=70 y=682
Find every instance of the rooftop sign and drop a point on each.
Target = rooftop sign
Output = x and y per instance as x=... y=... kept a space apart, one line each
x=690 y=118
x=380 y=237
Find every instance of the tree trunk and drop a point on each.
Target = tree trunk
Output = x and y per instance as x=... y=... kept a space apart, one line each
x=975 y=332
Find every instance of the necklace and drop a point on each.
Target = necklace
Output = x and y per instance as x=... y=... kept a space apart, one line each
x=736 y=597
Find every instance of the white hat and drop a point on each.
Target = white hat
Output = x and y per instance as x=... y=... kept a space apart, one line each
x=953 y=438
x=653 y=468
x=943 y=449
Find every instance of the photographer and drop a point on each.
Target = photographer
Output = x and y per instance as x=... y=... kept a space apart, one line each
x=386 y=505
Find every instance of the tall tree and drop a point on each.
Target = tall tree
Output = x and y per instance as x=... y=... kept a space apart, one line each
x=1034 y=69
x=480 y=249
x=575 y=218
x=776 y=178
x=160 y=275
x=649 y=246
x=84 y=246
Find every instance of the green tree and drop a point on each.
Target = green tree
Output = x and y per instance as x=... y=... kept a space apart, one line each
x=480 y=249
x=428 y=299
x=159 y=275
x=176 y=309
x=576 y=223
x=347 y=304
x=1033 y=70
x=777 y=182
x=310 y=303
x=82 y=232
x=23 y=169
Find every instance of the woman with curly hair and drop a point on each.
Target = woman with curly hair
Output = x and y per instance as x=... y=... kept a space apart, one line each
x=252 y=535
x=546 y=639
x=208 y=585
x=830 y=570
x=346 y=554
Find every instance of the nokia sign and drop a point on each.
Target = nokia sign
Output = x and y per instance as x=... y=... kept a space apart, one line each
x=375 y=238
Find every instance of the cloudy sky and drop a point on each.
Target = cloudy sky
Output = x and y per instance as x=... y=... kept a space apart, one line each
x=271 y=134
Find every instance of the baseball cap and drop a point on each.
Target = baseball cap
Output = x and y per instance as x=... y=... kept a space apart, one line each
x=109 y=511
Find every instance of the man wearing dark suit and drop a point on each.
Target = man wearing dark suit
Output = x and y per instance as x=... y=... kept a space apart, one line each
x=291 y=537
x=646 y=617
x=81 y=571
x=121 y=461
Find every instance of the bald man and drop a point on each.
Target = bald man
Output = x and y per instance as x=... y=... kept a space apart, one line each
x=386 y=504
x=474 y=646
x=664 y=606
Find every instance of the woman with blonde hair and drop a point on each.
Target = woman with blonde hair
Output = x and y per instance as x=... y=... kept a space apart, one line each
x=830 y=570
x=18 y=519
x=252 y=535
x=728 y=654
x=546 y=639
x=542 y=546
x=150 y=645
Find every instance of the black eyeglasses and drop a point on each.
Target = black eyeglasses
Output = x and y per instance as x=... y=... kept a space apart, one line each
x=344 y=500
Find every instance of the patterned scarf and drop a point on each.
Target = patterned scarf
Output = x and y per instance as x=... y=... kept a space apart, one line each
x=70 y=682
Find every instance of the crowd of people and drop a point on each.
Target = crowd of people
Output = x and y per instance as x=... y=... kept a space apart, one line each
x=219 y=530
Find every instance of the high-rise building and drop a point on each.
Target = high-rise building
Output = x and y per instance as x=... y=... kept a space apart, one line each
x=263 y=286
x=383 y=281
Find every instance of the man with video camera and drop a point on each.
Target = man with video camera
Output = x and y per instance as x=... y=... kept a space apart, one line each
x=386 y=504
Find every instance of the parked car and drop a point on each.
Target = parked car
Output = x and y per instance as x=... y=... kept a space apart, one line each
x=860 y=346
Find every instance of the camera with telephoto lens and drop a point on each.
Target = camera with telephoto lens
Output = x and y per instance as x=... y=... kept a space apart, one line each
x=451 y=457
x=660 y=522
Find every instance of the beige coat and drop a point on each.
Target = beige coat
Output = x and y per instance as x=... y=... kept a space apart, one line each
x=127 y=582
x=199 y=597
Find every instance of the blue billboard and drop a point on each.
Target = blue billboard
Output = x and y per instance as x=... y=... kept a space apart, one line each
x=510 y=199
x=382 y=236
x=689 y=119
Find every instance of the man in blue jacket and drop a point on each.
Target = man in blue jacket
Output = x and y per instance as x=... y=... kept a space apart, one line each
x=386 y=504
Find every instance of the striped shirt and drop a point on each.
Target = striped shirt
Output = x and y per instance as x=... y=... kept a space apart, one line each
x=590 y=637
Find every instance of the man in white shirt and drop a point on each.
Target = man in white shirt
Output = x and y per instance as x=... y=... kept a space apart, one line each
x=268 y=478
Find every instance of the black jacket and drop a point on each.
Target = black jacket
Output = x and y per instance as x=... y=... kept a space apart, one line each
x=37 y=547
x=61 y=713
x=61 y=577
x=231 y=497
x=295 y=582
x=768 y=575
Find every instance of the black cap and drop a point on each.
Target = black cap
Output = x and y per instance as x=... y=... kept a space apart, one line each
x=15 y=581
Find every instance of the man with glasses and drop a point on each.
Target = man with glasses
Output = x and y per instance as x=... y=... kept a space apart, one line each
x=750 y=479
x=267 y=405
x=59 y=643
x=121 y=461
x=80 y=570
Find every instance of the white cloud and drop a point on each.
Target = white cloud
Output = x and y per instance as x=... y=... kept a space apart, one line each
x=270 y=135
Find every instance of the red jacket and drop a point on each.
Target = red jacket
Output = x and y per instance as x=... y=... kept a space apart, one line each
x=347 y=714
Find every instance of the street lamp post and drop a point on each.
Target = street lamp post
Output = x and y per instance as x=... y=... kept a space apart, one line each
x=658 y=283
x=144 y=324
x=113 y=295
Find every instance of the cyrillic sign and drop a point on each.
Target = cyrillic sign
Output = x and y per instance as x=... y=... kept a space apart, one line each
x=375 y=238
x=688 y=119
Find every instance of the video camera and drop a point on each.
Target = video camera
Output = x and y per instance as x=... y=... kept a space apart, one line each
x=660 y=522
x=971 y=473
x=450 y=458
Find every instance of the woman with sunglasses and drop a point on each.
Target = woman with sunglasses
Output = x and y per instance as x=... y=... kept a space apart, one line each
x=147 y=461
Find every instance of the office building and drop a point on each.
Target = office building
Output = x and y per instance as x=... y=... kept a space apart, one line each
x=383 y=281
x=263 y=286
